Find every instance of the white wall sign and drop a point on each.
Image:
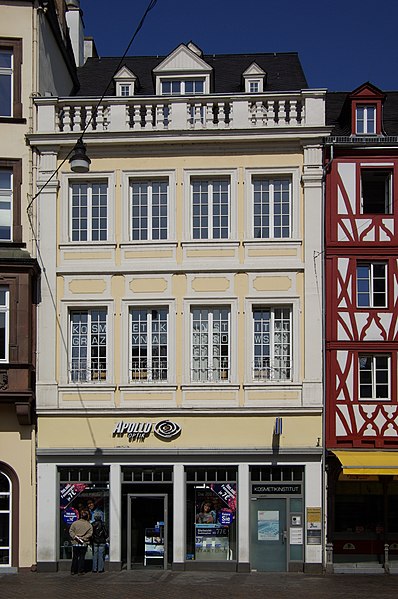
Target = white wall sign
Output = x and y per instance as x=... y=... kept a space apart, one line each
x=139 y=431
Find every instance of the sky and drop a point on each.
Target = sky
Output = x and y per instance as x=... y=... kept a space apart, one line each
x=341 y=43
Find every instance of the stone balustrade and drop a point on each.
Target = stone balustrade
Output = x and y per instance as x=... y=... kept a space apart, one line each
x=284 y=110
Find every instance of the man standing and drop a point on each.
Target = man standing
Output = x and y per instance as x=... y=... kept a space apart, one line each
x=80 y=532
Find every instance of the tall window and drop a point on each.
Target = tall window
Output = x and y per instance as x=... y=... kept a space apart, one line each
x=180 y=87
x=371 y=285
x=376 y=190
x=272 y=344
x=271 y=208
x=89 y=211
x=374 y=376
x=10 y=77
x=5 y=520
x=6 y=199
x=210 y=344
x=210 y=208
x=365 y=119
x=149 y=210
x=4 y=323
x=149 y=342
x=88 y=355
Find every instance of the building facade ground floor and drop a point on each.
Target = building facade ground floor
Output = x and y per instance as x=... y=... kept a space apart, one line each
x=186 y=492
x=362 y=491
x=17 y=492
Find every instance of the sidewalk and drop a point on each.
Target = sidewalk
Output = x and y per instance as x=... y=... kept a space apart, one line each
x=150 y=584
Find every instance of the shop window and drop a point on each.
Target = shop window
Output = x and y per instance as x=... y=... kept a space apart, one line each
x=371 y=285
x=5 y=520
x=81 y=495
x=211 y=520
x=376 y=191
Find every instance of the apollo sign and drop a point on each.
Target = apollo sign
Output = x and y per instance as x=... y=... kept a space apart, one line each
x=139 y=431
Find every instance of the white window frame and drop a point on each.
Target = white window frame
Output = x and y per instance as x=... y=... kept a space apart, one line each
x=101 y=378
x=124 y=90
x=366 y=120
x=90 y=208
x=9 y=512
x=211 y=174
x=388 y=186
x=79 y=304
x=93 y=177
x=371 y=280
x=254 y=83
x=293 y=173
x=5 y=309
x=150 y=175
x=148 y=303
x=211 y=303
x=211 y=378
x=136 y=377
x=296 y=354
x=150 y=206
x=7 y=197
x=9 y=72
x=266 y=374
x=373 y=372
x=160 y=79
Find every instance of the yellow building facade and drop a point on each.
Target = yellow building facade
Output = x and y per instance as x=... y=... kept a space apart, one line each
x=180 y=360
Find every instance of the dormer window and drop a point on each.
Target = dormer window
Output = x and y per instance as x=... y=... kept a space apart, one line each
x=182 y=87
x=254 y=79
x=366 y=110
x=365 y=119
x=125 y=82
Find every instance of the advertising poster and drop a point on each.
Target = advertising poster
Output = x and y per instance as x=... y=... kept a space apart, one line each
x=268 y=525
x=216 y=504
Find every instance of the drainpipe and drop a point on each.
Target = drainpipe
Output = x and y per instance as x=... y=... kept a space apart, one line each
x=328 y=546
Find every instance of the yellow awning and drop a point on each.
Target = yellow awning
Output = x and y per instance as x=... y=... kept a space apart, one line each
x=368 y=462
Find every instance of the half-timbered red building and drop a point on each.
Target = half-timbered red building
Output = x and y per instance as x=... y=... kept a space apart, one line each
x=361 y=283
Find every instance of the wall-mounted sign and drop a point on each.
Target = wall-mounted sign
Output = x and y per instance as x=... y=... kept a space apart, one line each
x=139 y=431
x=314 y=532
x=276 y=489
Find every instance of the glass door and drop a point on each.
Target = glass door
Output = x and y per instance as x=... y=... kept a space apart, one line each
x=147 y=530
x=268 y=532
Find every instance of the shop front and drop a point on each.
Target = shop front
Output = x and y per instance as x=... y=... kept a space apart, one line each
x=169 y=505
x=363 y=495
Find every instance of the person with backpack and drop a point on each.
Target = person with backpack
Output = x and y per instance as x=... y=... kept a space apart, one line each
x=99 y=540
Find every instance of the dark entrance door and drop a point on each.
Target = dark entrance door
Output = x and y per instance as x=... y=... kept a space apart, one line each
x=147 y=530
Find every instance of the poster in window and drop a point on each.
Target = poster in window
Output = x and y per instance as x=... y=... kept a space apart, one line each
x=268 y=525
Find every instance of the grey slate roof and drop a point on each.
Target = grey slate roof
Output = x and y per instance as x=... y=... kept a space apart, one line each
x=284 y=72
x=338 y=113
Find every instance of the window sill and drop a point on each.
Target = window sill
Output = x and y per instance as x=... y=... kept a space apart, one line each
x=79 y=245
x=158 y=244
x=210 y=243
x=89 y=386
x=210 y=385
x=148 y=385
x=253 y=385
x=281 y=241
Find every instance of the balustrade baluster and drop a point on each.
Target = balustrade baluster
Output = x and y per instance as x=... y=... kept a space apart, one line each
x=77 y=119
x=159 y=123
x=209 y=115
x=271 y=113
x=89 y=120
x=221 y=115
x=281 y=113
x=293 y=113
x=148 y=116
x=66 y=119
x=137 y=116
x=100 y=118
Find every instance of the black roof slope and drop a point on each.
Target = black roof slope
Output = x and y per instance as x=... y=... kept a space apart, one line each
x=338 y=113
x=284 y=72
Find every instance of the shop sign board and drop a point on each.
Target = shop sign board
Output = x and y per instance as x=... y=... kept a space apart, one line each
x=139 y=431
x=276 y=489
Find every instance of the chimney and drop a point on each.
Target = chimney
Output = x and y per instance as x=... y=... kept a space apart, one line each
x=74 y=19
